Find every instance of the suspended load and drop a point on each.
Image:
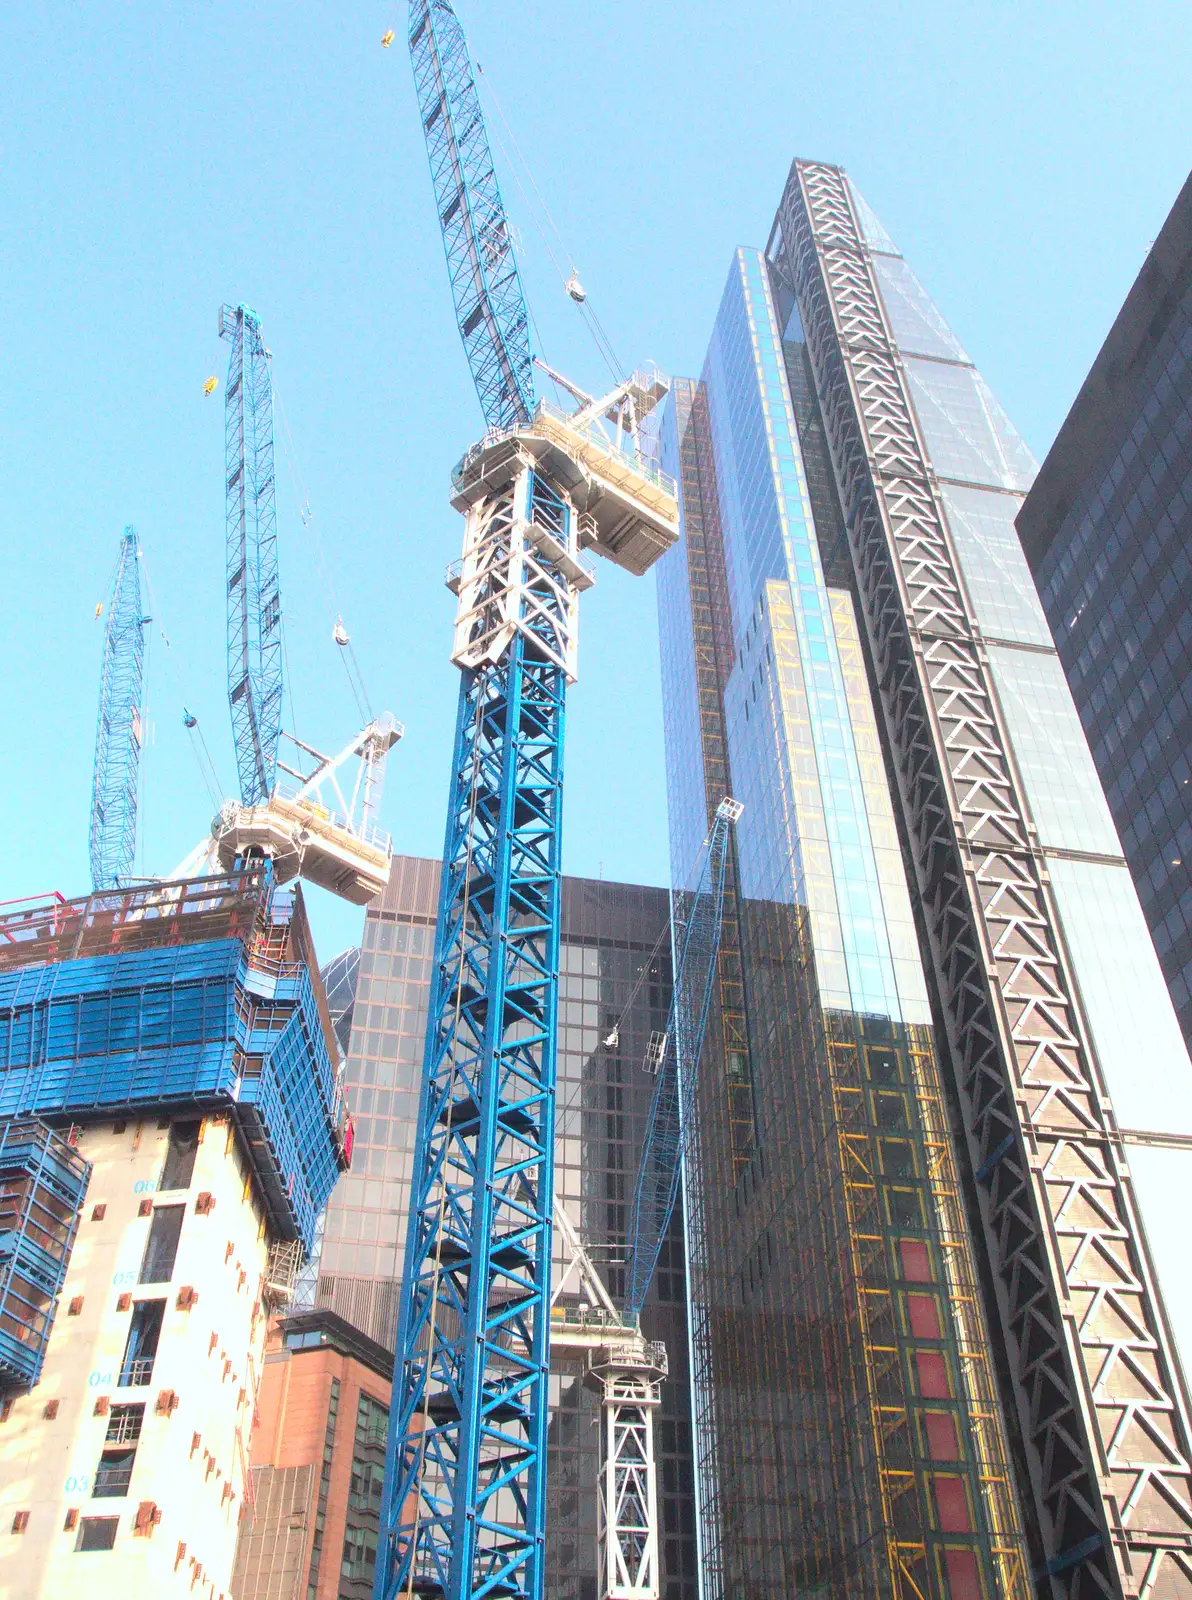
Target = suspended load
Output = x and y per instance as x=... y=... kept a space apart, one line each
x=211 y=385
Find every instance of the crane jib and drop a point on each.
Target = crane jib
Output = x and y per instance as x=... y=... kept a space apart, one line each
x=485 y=284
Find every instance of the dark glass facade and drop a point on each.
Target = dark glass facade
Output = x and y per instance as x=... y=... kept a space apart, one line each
x=614 y=978
x=1108 y=530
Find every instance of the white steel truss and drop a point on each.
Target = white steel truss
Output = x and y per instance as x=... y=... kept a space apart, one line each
x=627 y=1370
x=521 y=571
x=1090 y=1381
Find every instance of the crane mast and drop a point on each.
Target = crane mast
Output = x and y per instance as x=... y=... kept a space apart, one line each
x=464 y=1502
x=254 y=600
x=119 y=733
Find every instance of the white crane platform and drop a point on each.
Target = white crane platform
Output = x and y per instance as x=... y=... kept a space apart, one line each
x=628 y=507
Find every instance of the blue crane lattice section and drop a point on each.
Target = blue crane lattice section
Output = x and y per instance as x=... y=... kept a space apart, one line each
x=118 y=735
x=490 y=308
x=42 y=1184
x=254 y=597
x=696 y=941
x=465 y=1477
x=196 y=995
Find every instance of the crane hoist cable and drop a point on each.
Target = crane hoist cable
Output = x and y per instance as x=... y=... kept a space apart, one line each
x=569 y=280
x=339 y=633
x=190 y=722
x=613 y=1037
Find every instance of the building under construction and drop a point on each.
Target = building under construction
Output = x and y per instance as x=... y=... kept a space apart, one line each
x=173 y=1123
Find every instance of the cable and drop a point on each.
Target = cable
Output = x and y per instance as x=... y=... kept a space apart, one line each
x=591 y=321
x=207 y=772
x=347 y=654
x=613 y=1037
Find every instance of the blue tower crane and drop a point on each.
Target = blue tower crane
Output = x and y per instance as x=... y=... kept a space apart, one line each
x=119 y=733
x=254 y=599
x=669 y=1123
x=464 y=1501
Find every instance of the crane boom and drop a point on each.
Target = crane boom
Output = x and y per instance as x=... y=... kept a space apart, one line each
x=669 y=1121
x=118 y=734
x=490 y=308
x=254 y=598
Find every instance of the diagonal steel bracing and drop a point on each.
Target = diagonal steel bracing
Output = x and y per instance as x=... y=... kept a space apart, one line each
x=1090 y=1372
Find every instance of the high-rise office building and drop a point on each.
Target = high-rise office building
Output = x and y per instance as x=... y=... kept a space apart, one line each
x=614 y=993
x=1107 y=529
x=930 y=1355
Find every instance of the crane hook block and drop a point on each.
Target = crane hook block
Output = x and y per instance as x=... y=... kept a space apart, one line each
x=211 y=386
x=340 y=634
x=388 y=37
x=576 y=289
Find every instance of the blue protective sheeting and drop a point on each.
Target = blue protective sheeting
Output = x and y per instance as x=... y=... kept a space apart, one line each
x=219 y=1023
x=42 y=1184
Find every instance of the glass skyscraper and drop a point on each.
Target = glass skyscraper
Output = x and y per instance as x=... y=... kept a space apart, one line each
x=929 y=1354
x=614 y=993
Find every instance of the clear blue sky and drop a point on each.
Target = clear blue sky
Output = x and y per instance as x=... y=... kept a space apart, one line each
x=158 y=160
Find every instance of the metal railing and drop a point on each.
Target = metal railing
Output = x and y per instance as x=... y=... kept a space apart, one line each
x=593 y=432
x=645 y=466
x=137 y=1373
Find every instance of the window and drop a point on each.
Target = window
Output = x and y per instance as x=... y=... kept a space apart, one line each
x=114 y=1473
x=162 y=1245
x=143 y=1333
x=97 y=1533
x=364 y=1499
x=124 y=1425
x=180 y=1156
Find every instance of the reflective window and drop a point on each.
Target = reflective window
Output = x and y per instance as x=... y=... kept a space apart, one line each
x=914 y=321
x=968 y=434
x=1137 y=1038
x=995 y=572
x=872 y=227
x=1062 y=788
x=1162 y=1183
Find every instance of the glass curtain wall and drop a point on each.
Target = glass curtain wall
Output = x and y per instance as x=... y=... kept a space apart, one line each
x=848 y=1438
